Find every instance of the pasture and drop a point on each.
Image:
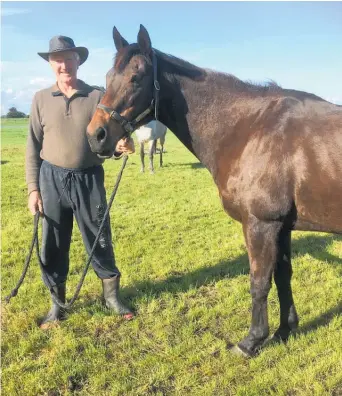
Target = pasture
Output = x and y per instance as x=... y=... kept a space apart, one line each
x=185 y=271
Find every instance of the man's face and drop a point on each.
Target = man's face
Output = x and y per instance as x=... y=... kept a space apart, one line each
x=65 y=65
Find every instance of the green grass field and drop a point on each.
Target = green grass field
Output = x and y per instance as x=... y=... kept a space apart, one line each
x=185 y=271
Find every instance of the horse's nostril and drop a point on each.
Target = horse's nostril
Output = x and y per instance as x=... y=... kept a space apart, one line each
x=101 y=134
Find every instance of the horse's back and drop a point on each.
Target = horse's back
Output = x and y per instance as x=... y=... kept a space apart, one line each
x=291 y=157
x=317 y=168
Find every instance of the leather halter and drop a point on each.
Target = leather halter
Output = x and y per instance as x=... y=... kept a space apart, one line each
x=130 y=126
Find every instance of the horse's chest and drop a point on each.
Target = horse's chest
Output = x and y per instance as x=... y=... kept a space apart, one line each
x=231 y=197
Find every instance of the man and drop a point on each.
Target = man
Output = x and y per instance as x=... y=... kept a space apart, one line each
x=66 y=179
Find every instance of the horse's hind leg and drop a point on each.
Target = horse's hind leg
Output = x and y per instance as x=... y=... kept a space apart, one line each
x=161 y=154
x=152 y=150
x=262 y=244
x=282 y=277
x=142 y=157
x=162 y=142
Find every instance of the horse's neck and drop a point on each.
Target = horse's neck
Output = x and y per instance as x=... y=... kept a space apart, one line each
x=193 y=111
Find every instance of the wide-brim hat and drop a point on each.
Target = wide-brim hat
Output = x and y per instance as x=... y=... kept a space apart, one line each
x=63 y=43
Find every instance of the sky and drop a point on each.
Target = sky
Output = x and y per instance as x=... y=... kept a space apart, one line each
x=296 y=44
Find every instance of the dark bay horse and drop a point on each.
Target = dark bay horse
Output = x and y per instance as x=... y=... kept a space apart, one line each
x=275 y=155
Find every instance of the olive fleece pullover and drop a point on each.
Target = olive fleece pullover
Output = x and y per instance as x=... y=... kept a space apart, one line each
x=57 y=130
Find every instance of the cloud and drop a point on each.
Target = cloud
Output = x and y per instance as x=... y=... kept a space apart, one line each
x=13 y=11
x=334 y=99
x=20 y=80
x=21 y=99
x=40 y=82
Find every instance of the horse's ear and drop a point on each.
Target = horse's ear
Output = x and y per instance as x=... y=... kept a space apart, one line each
x=144 y=41
x=119 y=41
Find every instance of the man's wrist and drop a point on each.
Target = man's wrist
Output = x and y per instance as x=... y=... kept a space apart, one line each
x=32 y=186
x=32 y=192
x=117 y=154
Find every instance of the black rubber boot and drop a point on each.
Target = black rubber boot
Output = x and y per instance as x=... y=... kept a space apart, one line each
x=56 y=313
x=111 y=288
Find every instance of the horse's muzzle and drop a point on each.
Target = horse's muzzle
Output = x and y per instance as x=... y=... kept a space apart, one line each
x=99 y=142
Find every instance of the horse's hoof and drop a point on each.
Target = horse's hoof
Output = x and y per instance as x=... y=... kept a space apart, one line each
x=49 y=325
x=239 y=350
x=236 y=350
x=280 y=336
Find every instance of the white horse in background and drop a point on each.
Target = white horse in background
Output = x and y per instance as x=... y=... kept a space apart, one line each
x=150 y=133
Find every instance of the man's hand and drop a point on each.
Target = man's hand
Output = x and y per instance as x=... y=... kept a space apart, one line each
x=35 y=203
x=125 y=146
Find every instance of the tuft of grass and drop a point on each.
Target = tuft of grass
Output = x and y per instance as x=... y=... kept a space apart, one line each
x=185 y=272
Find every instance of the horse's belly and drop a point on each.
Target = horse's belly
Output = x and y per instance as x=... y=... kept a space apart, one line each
x=318 y=184
x=319 y=204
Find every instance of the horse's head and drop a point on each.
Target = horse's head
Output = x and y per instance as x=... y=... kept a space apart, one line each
x=131 y=90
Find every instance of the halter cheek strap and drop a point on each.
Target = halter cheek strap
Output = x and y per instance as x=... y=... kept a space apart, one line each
x=130 y=126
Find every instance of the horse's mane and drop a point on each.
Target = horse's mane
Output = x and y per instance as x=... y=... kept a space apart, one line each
x=249 y=86
x=176 y=66
x=173 y=65
x=264 y=89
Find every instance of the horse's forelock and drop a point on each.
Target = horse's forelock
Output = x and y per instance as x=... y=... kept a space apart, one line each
x=123 y=56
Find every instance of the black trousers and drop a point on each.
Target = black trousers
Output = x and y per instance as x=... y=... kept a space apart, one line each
x=67 y=193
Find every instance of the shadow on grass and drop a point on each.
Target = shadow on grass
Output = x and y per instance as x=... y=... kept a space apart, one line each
x=193 y=165
x=4 y=162
x=316 y=246
x=322 y=320
x=179 y=282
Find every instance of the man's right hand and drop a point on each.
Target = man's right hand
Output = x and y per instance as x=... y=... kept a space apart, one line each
x=35 y=203
x=125 y=146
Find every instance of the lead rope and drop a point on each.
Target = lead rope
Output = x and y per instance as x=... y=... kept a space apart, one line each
x=34 y=242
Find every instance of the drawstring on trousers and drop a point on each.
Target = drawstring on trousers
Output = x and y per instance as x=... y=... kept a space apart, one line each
x=67 y=179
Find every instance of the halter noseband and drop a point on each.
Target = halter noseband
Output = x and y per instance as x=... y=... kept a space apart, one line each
x=130 y=126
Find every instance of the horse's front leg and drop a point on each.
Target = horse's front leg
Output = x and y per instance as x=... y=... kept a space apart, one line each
x=142 y=157
x=262 y=244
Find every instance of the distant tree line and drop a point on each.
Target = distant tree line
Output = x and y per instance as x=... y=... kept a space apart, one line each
x=14 y=113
